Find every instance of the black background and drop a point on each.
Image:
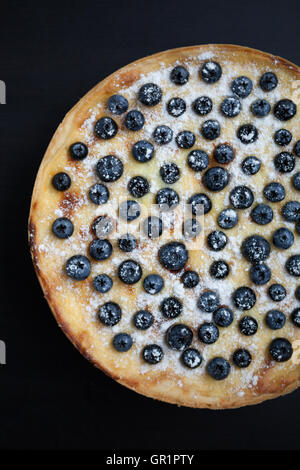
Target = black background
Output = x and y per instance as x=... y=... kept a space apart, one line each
x=50 y=396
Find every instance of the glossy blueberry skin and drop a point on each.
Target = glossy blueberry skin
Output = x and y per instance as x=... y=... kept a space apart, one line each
x=179 y=337
x=179 y=75
x=208 y=333
x=191 y=228
x=78 y=151
x=283 y=238
x=130 y=272
x=191 y=358
x=296 y=148
x=162 y=135
x=293 y=265
x=260 y=274
x=218 y=368
x=61 y=181
x=248 y=326
x=117 y=104
x=150 y=94
x=122 y=342
x=216 y=178
x=282 y=137
x=268 y=81
x=295 y=317
x=198 y=160
x=176 y=107
x=211 y=71
x=127 y=242
x=105 y=128
x=277 y=292
x=242 y=358
x=241 y=197
x=251 y=165
x=99 y=194
x=298 y=226
x=110 y=314
x=297 y=293
x=185 y=139
x=167 y=199
x=202 y=105
x=285 y=110
x=223 y=317
x=169 y=173
x=231 y=106
x=275 y=319
x=129 y=210
x=199 y=204
x=244 y=298
x=152 y=353
x=78 y=267
x=138 y=186
x=208 y=301
x=143 y=320
x=247 y=133
x=219 y=269
x=296 y=181
x=171 y=307
x=260 y=108
x=62 y=228
x=109 y=168
x=134 y=120
x=291 y=211
x=280 y=350
x=284 y=162
x=100 y=249
x=228 y=218
x=217 y=240
x=190 y=279
x=262 y=214
x=211 y=129
x=256 y=248
x=173 y=256
x=274 y=192
x=153 y=227
x=143 y=151
x=153 y=284
x=102 y=283
x=224 y=154
x=242 y=86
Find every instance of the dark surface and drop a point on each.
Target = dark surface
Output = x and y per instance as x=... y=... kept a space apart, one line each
x=51 y=397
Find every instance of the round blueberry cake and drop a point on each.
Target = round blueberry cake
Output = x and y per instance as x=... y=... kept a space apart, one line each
x=165 y=224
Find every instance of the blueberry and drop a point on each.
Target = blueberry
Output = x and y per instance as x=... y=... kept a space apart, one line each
x=110 y=314
x=185 y=139
x=143 y=151
x=202 y=105
x=99 y=194
x=274 y=192
x=248 y=326
x=228 y=218
x=117 y=104
x=293 y=265
x=223 y=317
x=268 y=81
x=211 y=72
x=242 y=86
x=216 y=178
x=217 y=240
x=297 y=148
x=262 y=214
x=102 y=283
x=171 y=307
x=153 y=284
x=295 y=316
x=285 y=110
x=260 y=274
x=129 y=210
x=191 y=358
x=134 y=120
x=138 y=186
x=190 y=279
x=260 y=108
x=218 y=368
x=78 y=151
x=242 y=358
x=109 y=168
x=78 y=267
x=100 y=250
x=275 y=319
x=208 y=333
x=297 y=293
x=231 y=106
x=298 y=226
x=219 y=269
x=103 y=226
x=282 y=137
x=150 y=94
x=199 y=204
x=176 y=107
x=241 y=197
x=122 y=342
x=283 y=238
x=130 y=272
x=277 y=292
x=224 y=153
x=62 y=228
x=152 y=353
x=251 y=165
x=255 y=248
x=173 y=256
x=61 y=181
x=153 y=227
x=179 y=337
x=191 y=228
x=244 y=298
x=198 y=160
x=281 y=350
x=143 y=320
x=105 y=128
x=167 y=199
x=291 y=211
x=162 y=135
x=169 y=173
x=127 y=242
x=296 y=181
x=211 y=129
x=208 y=301
x=284 y=162
x=179 y=75
x=247 y=133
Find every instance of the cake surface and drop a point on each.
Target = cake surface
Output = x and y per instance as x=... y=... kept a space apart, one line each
x=218 y=321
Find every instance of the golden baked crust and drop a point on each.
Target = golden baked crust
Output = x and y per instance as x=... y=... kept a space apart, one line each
x=75 y=304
